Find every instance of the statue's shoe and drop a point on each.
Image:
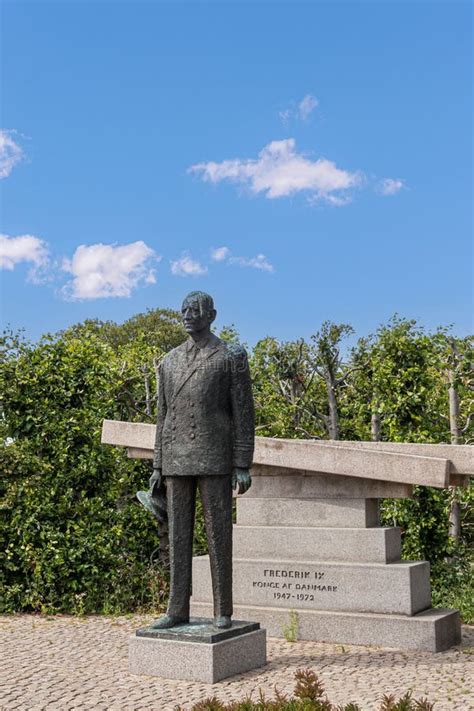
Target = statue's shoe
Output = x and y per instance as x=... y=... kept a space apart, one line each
x=168 y=621
x=222 y=623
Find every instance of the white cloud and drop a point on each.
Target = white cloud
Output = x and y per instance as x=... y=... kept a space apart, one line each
x=104 y=270
x=285 y=115
x=390 y=186
x=279 y=171
x=10 y=153
x=24 y=248
x=307 y=106
x=258 y=262
x=223 y=254
x=300 y=111
x=187 y=266
x=220 y=254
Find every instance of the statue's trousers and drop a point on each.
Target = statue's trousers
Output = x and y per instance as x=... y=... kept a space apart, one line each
x=216 y=497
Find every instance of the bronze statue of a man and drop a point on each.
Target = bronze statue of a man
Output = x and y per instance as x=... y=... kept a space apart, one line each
x=205 y=439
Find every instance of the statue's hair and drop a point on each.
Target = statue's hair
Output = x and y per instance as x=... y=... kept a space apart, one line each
x=205 y=301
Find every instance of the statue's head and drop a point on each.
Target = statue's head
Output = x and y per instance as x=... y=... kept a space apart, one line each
x=198 y=311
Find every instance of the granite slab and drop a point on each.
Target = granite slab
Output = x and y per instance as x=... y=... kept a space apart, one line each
x=199 y=630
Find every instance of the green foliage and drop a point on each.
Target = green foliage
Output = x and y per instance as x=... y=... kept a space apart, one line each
x=73 y=538
x=287 y=395
x=327 y=345
x=291 y=630
x=229 y=334
x=395 y=379
x=424 y=520
x=308 y=695
x=72 y=535
x=452 y=583
x=159 y=328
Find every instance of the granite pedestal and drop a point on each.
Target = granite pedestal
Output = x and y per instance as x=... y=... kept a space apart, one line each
x=197 y=651
x=308 y=541
x=311 y=544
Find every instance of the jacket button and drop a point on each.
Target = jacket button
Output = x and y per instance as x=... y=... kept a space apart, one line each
x=192 y=435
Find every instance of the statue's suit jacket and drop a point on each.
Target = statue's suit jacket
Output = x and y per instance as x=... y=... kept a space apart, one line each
x=205 y=421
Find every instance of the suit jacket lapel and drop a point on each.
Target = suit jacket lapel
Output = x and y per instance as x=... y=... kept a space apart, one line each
x=207 y=353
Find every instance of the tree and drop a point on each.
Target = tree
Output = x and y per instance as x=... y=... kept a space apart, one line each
x=72 y=535
x=287 y=395
x=299 y=384
x=327 y=363
x=73 y=538
x=390 y=394
x=456 y=368
x=160 y=329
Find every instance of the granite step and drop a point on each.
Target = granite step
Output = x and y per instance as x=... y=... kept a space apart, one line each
x=336 y=513
x=433 y=630
x=367 y=545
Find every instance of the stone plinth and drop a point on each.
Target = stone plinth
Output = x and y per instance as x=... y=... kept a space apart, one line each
x=401 y=588
x=308 y=541
x=311 y=544
x=197 y=651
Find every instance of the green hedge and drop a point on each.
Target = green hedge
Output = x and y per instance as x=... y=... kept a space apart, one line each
x=73 y=537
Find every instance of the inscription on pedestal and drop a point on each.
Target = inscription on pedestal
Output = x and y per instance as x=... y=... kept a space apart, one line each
x=299 y=585
x=397 y=588
x=302 y=582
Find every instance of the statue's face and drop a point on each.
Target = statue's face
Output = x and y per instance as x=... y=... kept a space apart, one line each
x=194 y=321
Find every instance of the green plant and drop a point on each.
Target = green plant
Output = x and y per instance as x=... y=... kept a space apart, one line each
x=405 y=703
x=290 y=631
x=308 y=695
x=73 y=538
x=452 y=583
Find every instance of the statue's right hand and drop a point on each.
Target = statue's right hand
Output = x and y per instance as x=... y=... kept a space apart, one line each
x=155 y=479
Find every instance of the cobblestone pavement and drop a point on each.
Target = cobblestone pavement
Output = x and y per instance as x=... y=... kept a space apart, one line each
x=81 y=663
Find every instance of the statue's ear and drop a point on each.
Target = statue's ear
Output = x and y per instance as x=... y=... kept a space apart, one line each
x=212 y=315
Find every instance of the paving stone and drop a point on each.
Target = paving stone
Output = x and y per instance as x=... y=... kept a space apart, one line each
x=89 y=666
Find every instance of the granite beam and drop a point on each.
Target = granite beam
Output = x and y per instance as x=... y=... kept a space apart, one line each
x=274 y=482
x=429 y=465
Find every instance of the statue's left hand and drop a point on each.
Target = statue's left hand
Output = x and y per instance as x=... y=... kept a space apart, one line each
x=241 y=480
x=155 y=479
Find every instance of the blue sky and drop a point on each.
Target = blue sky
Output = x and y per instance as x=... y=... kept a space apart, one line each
x=299 y=161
